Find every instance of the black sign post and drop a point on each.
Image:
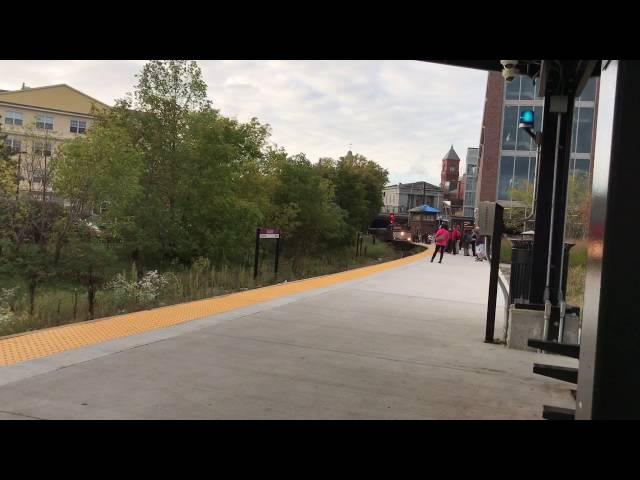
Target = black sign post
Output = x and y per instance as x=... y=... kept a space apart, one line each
x=496 y=238
x=257 y=258
x=266 y=233
x=277 y=256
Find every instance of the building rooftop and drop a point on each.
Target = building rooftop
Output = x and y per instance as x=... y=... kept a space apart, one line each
x=451 y=155
x=415 y=185
x=60 y=97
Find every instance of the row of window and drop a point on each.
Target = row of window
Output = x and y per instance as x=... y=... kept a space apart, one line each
x=523 y=88
x=469 y=198
x=39 y=148
x=582 y=130
x=13 y=118
x=516 y=172
x=44 y=122
x=514 y=138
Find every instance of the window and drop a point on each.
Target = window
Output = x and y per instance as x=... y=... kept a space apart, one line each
x=524 y=140
x=574 y=128
x=509 y=128
x=512 y=89
x=505 y=180
x=584 y=131
x=13 y=118
x=532 y=171
x=44 y=122
x=78 y=126
x=521 y=88
x=470 y=184
x=526 y=92
x=468 y=198
x=521 y=172
x=42 y=148
x=589 y=91
x=13 y=144
x=581 y=166
x=452 y=169
x=37 y=176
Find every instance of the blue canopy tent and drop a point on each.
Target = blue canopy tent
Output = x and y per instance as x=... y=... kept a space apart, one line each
x=423 y=220
x=424 y=209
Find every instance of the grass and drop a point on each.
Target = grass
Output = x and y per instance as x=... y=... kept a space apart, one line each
x=58 y=303
x=577 y=274
x=505 y=251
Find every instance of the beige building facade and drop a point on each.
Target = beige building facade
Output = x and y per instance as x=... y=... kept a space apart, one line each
x=35 y=121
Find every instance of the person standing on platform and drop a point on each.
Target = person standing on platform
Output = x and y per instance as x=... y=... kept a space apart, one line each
x=456 y=240
x=466 y=241
x=441 y=239
x=474 y=238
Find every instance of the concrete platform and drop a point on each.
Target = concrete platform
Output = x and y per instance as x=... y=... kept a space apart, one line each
x=402 y=344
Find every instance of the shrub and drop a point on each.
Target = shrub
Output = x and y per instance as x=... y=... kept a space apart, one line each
x=144 y=292
x=7 y=304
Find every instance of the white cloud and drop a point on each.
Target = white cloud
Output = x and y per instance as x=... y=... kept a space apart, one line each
x=403 y=114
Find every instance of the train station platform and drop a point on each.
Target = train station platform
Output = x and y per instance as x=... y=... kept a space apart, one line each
x=401 y=340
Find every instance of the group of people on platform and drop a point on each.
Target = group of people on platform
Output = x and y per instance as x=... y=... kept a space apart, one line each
x=451 y=240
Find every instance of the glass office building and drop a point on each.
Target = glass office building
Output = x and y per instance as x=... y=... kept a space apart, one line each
x=517 y=159
x=471 y=178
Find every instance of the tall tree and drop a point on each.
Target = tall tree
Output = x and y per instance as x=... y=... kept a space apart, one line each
x=358 y=187
x=98 y=174
x=167 y=94
x=304 y=206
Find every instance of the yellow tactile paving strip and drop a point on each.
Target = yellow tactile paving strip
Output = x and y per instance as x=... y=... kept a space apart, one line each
x=50 y=341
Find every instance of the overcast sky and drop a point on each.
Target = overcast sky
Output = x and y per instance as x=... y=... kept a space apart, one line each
x=403 y=114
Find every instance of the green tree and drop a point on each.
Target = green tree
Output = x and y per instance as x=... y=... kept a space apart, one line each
x=88 y=260
x=358 y=187
x=578 y=206
x=515 y=217
x=98 y=174
x=166 y=96
x=221 y=196
x=7 y=167
x=577 y=212
x=304 y=206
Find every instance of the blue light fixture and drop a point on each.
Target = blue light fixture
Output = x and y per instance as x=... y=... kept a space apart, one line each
x=526 y=119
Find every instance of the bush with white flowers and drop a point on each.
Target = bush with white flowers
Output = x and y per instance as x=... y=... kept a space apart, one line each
x=144 y=291
x=7 y=295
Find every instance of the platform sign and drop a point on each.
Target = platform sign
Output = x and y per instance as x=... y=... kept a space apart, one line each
x=486 y=217
x=269 y=232
x=261 y=233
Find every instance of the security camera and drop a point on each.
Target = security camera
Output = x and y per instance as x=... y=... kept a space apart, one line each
x=509 y=64
x=510 y=73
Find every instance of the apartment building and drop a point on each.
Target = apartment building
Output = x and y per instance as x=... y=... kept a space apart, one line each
x=35 y=121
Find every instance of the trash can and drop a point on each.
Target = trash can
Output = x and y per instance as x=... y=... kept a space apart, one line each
x=521 y=270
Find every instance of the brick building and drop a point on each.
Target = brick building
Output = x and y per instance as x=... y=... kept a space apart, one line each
x=507 y=155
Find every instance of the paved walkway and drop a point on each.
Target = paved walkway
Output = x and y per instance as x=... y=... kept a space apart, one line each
x=389 y=343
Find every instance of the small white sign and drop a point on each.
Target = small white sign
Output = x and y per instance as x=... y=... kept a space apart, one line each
x=269 y=235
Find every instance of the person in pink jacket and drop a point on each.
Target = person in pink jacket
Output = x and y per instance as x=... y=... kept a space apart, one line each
x=441 y=239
